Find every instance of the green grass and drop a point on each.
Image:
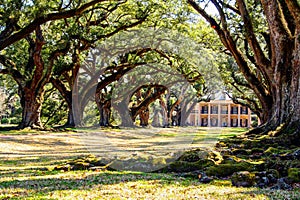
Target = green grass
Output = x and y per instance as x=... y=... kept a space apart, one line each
x=124 y=185
x=27 y=160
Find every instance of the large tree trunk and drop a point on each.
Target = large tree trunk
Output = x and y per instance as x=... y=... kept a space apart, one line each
x=164 y=113
x=155 y=121
x=32 y=93
x=285 y=65
x=174 y=112
x=77 y=110
x=105 y=114
x=104 y=108
x=144 y=117
x=32 y=106
x=124 y=113
x=67 y=95
x=285 y=111
x=186 y=111
x=71 y=121
x=142 y=107
x=32 y=85
x=126 y=119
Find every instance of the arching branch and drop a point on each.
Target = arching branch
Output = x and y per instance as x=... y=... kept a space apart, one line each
x=22 y=33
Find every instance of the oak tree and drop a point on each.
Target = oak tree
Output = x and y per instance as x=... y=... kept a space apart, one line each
x=263 y=38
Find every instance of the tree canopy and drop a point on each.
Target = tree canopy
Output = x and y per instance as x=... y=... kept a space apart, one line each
x=253 y=46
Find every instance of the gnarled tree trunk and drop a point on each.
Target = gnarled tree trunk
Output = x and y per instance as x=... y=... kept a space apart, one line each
x=32 y=106
x=284 y=67
x=32 y=94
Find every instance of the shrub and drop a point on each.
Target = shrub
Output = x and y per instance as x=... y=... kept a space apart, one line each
x=294 y=174
x=4 y=121
x=14 y=120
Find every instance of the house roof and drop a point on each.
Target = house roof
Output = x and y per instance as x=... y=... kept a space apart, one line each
x=220 y=95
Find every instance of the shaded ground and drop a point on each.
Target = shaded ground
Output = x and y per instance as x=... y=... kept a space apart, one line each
x=41 y=145
x=28 y=157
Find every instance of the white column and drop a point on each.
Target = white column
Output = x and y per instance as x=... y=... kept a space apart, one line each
x=229 y=115
x=219 y=115
x=239 y=115
x=249 y=117
x=195 y=118
x=208 y=116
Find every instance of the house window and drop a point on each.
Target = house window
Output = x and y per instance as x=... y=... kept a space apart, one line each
x=204 y=110
x=244 y=122
x=234 y=122
x=214 y=110
x=224 y=110
x=234 y=110
x=224 y=122
x=214 y=122
x=244 y=110
x=204 y=121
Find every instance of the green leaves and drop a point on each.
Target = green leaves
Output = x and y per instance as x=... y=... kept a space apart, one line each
x=175 y=40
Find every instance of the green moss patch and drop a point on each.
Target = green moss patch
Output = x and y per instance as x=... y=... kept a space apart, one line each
x=223 y=170
x=272 y=150
x=243 y=178
x=193 y=155
x=294 y=174
x=82 y=163
x=182 y=166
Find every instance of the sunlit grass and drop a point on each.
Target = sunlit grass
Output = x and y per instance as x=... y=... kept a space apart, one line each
x=27 y=162
x=125 y=185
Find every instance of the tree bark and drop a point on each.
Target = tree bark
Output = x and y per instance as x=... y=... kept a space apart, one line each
x=32 y=94
x=164 y=113
x=285 y=65
x=155 y=121
x=105 y=114
x=67 y=95
x=124 y=113
x=71 y=121
x=32 y=106
x=150 y=97
x=144 y=117
x=104 y=108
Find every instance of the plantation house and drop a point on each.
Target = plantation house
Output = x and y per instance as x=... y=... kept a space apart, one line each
x=220 y=111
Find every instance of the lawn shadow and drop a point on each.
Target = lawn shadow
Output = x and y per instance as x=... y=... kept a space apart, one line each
x=40 y=184
x=7 y=128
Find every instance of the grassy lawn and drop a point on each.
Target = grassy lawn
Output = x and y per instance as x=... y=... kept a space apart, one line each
x=27 y=159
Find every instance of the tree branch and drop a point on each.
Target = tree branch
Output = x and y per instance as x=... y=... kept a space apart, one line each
x=11 y=70
x=259 y=55
x=148 y=100
x=230 y=7
x=43 y=19
x=294 y=8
